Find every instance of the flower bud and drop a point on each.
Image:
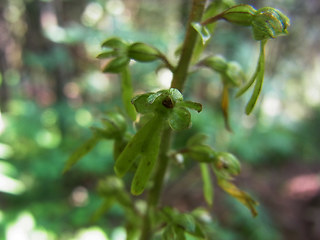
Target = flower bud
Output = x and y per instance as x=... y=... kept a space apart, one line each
x=216 y=63
x=142 y=52
x=227 y=164
x=115 y=125
x=241 y=14
x=109 y=186
x=202 y=153
x=269 y=23
x=234 y=74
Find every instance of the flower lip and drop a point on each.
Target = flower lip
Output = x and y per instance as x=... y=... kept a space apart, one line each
x=167 y=102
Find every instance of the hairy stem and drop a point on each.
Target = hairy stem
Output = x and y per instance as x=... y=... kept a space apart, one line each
x=179 y=78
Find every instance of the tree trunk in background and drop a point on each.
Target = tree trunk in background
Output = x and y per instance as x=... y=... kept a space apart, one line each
x=36 y=42
x=4 y=39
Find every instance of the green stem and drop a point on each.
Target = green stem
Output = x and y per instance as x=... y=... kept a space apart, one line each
x=180 y=75
x=179 y=78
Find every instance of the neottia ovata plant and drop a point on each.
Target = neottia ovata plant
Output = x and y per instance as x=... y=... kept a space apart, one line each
x=157 y=115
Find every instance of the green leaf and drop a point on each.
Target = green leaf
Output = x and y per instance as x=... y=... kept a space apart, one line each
x=80 y=152
x=127 y=93
x=192 y=105
x=202 y=31
x=179 y=119
x=149 y=155
x=114 y=43
x=142 y=104
x=207 y=184
x=142 y=52
x=116 y=65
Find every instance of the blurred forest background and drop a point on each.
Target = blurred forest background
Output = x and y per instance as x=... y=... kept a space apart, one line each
x=52 y=90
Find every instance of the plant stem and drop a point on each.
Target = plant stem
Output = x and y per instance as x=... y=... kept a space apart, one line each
x=179 y=78
x=180 y=75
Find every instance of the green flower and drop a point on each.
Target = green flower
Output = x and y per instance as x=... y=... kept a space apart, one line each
x=168 y=103
x=269 y=23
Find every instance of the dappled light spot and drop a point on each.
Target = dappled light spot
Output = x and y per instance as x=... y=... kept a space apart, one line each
x=119 y=234
x=71 y=90
x=83 y=117
x=19 y=107
x=98 y=82
x=312 y=84
x=271 y=106
x=313 y=95
x=295 y=111
x=45 y=97
x=56 y=33
x=93 y=233
x=115 y=7
x=164 y=77
x=49 y=117
x=49 y=23
x=303 y=186
x=24 y=228
x=21 y=228
x=48 y=138
x=92 y=14
x=5 y=151
x=13 y=13
x=10 y=185
x=2 y=124
x=79 y=196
